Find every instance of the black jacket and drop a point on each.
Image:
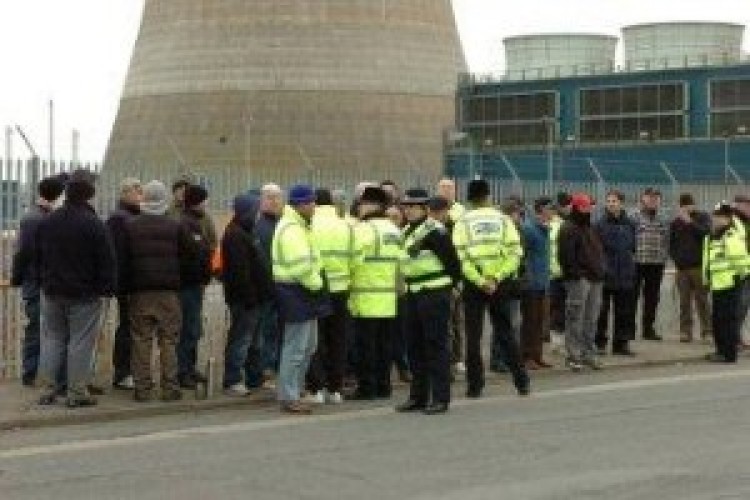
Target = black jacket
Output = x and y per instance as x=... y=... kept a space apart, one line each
x=116 y=226
x=580 y=250
x=196 y=267
x=686 y=240
x=245 y=276
x=154 y=250
x=617 y=235
x=76 y=259
x=24 y=270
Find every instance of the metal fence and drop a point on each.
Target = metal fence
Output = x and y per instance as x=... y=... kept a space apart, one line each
x=17 y=191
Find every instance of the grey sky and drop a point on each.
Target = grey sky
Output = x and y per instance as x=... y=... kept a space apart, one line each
x=77 y=51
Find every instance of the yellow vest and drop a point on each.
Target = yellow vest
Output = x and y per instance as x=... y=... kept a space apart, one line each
x=334 y=239
x=724 y=260
x=456 y=211
x=488 y=245
x=293 y=253
x=422 y=268
x=375 y=269
x=554 y=248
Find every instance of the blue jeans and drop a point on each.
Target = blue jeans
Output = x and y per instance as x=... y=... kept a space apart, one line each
x=191 y=302
x=298 y=346
x=69 y=335
x=30 y=363
x=242 y=332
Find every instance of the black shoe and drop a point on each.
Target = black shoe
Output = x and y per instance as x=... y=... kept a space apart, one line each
x=411 y=405
x=95 y=390
x=436 y=409
x=143 y=395
x=383 y=394
x=28 y=381
x=622 y=351
x=200 y=378
x=171 y=395
x=81 y=402
x=474 y=393
x=524 y=390
x=405 y=375
x=48 y=399
x=717 y=358
x=360 y=396
x=188 y=382
x=652 y=335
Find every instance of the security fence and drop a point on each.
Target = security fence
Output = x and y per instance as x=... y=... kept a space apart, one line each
x=17 y=191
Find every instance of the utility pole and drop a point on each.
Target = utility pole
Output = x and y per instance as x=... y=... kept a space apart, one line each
x=74 y=147
x=51 y=132
x=8 y=146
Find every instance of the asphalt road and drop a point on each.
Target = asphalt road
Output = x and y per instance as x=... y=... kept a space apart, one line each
x=661 y=433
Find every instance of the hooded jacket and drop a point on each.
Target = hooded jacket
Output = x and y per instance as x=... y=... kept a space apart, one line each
x=580 y=250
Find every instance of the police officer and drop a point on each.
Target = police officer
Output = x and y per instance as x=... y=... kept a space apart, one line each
x=724 y=268
x=372 y=302
x=431 y=269
x=489 y=248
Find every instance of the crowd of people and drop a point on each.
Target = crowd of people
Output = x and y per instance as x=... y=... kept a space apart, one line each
x=325 y=299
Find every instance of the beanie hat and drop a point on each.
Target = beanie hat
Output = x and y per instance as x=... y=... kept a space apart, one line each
x=417 y=196
x=155 y=198
x=438 y=203
x=51 y=188
x=181 y=182
x=563 y=199
x=195 y=195
x=323 y=197
x=686 y=199
x=723 y=208
x=80 y=187
x=477 y=190
x=375 y=195
x=245 y=204
x=581 y=202
x=301 y=194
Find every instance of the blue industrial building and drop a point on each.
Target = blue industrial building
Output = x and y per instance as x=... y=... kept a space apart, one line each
x=678 y=117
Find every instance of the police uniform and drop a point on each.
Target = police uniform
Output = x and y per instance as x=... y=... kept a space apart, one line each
x=430 y=268
x=725 y=265
x=489 y=248
x=334 y=239
x=373 y=297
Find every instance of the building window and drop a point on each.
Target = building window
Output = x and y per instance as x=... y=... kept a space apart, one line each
x=629 y=113
x=730 y=107
x=510 y=119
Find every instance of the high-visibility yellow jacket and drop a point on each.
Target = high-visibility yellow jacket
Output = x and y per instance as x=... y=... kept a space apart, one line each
x=724 y=259
x=334 y=239
x=554 y=256
x=456 y=211
x=422 y=268
x=488 y=245
x=378 y=250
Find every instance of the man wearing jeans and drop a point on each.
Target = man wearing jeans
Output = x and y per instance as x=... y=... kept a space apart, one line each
x=300 y=291
x=77 y=268
x=25 y=273
x=582 y=262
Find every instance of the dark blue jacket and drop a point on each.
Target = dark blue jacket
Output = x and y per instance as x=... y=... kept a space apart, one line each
x=25 y=273
x=76 y=259
x=116 y=227
x=618 y=236
x=536 y=256
x=264 y=229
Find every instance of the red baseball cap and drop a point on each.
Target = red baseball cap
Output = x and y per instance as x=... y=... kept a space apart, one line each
x=581 y=202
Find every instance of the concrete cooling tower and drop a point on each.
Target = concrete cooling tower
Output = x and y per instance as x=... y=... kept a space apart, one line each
x=335 y=85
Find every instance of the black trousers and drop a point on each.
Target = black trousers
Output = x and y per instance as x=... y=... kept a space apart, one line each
x=328 y=363
x=476 y=302
x=374 y=338
x=725 y=322
x=648 y=282
x=123 y=341
x=623 y=330
x=429 y=316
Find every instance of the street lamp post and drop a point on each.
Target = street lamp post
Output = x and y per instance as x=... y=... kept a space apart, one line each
x=549 y=122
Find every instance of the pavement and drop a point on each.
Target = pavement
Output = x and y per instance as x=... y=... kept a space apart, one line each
x=669 y=432
x=18 y=408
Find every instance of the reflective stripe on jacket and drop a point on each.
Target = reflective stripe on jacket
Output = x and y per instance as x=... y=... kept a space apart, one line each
x=334 y=239
x=421 y=267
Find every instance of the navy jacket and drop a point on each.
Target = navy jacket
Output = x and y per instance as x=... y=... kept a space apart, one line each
x=116 y=226
x=536 y=256
x=76 y=259
x=24 y=272
x=618 y=236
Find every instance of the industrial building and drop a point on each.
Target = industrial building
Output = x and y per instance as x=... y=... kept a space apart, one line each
x=294 y=85
x=673 y=109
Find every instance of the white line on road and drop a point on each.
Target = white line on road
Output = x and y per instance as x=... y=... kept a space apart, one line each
x=97 y=444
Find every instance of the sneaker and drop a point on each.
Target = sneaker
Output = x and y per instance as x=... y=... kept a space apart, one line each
x=459 y=367
x=316 y=398
x=295 y=408
x=239 y=390
x=125 y=384
x=574 y=365
x=334 y=398
x=81 y=402
x=593 y=363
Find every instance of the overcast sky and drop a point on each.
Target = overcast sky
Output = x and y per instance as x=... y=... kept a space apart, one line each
x=77 y=52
